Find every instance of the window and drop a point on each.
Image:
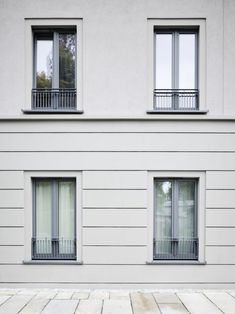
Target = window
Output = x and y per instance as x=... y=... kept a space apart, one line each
x=54 y=227
x=175 y=219
x=54 y=77
x=176 y=69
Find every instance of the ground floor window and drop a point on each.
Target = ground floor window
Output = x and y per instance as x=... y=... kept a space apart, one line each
x=54 y=221
x=175 y=219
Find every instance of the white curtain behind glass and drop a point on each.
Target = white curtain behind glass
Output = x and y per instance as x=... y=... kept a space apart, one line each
x=163 y=219
x=186 y=209
x=43 y=202
x=66 y=216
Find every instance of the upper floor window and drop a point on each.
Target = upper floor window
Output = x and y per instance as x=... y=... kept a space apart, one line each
x=54 y=77
x=176 y=69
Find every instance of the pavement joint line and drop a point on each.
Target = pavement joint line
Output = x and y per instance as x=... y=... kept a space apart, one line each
x=77 y=306
x=183 y=303
x=25 y=304
x=156 y=302
x=49 y=300
x=203 y=293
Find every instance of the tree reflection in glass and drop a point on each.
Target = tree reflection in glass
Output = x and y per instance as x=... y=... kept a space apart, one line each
x=44 y=62
x=67 y=55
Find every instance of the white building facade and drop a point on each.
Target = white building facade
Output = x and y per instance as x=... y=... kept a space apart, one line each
x=117 y=164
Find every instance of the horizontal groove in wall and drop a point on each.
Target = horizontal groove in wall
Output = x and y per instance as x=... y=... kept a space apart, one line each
x=115 y=132
x=11 y=189
x=220 y=227
x=189 y=117
x=11 y=245
x=114 y=169
x=114 y=227
x=118 y=282
x=10 y=207
x=114 y=189
x=115 y=208
x=220 y=245
x=119 y=151
x=114 y=245
x=215 y=208
x=6 y=227
x=220 y=189
x=116 y=264
x=110 y=207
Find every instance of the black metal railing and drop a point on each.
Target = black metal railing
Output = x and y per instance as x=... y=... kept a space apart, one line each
x=176 y=249
x=53 y=249
x=53 y=99
x=176 y=99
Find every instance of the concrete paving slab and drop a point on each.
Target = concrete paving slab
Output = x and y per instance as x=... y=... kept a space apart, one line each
x=117 y=307
x=60 y=307
x=223 y=300
x=46 y=294
x=35 y=306
x=91 y=306
x=8 y=291
x=197 y=303
x=144 y=303
x=80 y=295
x=99 y=294
x=64 y=295
x=120 y=295
x=172 y=308
x=14 y=304
x=166 y=297
x=3 y=298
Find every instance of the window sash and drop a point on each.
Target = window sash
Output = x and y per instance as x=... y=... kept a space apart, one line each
x=172 y=245
x=55 y=246
x=175 y=75
x=54 y=36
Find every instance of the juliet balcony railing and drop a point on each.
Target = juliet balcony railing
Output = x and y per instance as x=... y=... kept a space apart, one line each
x=54 y=99
x=53 y=249
x=176 y=249
x=176 y=99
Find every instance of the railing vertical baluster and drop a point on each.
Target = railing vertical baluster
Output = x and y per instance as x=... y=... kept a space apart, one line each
x=176 y=99
x=53 y=99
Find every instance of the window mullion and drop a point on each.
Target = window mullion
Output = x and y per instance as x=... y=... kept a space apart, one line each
x=176 y=69
x=173 y=62
x=195 y=233
x=196 y=61
x=55 y=209
x=175 y=209
x=55 y=76
x=34 y=211
x=35 y=61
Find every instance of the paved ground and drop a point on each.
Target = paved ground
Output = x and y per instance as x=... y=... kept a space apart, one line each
x=57 y=301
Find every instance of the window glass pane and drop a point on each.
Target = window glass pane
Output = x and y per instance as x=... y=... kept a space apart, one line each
x=186 y=209
x=67 y=55
x=44 y=63
x=163 y=61
x=163 y=217
x=43 y=204
x=187 y=61
x=66 y=216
